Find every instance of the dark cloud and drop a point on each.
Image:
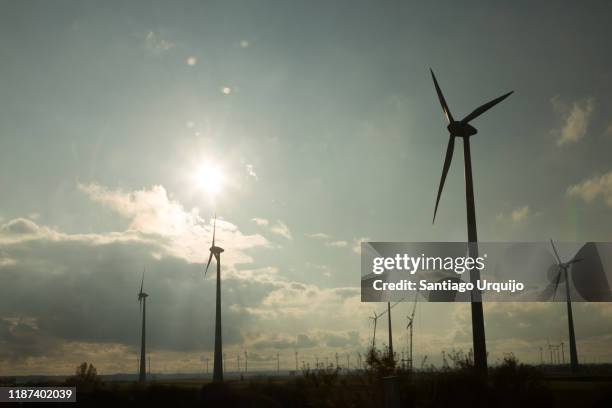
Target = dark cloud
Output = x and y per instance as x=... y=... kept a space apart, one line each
x=75 y=290
x=304 y=341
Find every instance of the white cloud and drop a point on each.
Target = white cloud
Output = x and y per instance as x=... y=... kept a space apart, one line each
x=318 y=235
x=520 y=214
x=260 y=221
x=517 y=216
x=7 y=262
x=592 y=188
x=280 y=228
x=156 y=44
x=337 y=244
x=575 y=119
x=181 y=233
x=330 y=242
x=251 y=171
x=357 y=244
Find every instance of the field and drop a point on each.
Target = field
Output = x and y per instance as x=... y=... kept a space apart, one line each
x=508 y=385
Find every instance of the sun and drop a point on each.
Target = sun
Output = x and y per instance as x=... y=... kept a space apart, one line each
x=209 y=177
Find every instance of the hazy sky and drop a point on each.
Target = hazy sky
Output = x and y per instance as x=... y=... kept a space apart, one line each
x=325 y=124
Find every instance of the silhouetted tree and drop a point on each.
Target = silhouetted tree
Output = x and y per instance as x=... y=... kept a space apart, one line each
x=86 y=374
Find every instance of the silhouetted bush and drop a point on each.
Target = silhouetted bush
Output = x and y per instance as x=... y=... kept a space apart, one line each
x=380 y=363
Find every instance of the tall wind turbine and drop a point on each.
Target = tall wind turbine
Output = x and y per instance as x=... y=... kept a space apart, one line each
x=464 y=130
x=142 y=300
x=410 y=326
x=218 y=358
x=562 y=274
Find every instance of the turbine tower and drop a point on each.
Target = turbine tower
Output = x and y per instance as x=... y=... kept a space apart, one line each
x=390 y=331
x=563 y=274
x=218 y=358
x=142 y=300
x=464 y=130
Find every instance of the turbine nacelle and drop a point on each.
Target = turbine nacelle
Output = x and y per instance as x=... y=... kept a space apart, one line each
x=216 y=250
x=461 y=129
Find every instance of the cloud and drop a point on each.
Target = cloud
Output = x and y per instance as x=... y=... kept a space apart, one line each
x=517 y=216
x=328 y=241
x=520 y=214
x=575 y=119
x=318 y=235
x=251 y=171
x=357 y=244
x=593 y=188
x=156 y=44
x=280 y=228
x=179 y=232
x=260 y=221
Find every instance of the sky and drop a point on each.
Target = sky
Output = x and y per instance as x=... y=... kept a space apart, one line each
x=323 y=120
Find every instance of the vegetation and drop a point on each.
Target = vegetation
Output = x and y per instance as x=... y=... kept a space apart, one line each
x=509 y=384
x=86 y=376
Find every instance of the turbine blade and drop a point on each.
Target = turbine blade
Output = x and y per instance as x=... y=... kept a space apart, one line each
x=142 y=283
x=208 y=264
x=413 y=308
x=447 y=163
x=556 y=253
x=483 y=108
x=447 y=113
x=575 y=260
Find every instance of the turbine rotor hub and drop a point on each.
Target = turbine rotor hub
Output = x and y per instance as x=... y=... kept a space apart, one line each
x=461 y=129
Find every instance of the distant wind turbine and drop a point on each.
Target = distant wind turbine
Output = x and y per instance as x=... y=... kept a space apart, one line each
x=410 y=326
x=375 y=320
x=464 y=130
x=562 y=275
x=390 y=331
x=218 y=357
x=142 y=300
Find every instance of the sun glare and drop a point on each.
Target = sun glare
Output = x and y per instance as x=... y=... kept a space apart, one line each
x=209 y=178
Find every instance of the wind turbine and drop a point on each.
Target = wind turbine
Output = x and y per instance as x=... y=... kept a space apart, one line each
x=142 y=300
x=562 y=273
x=218 y=358
x=410 y=326
x=375 y=319
x=464 y=130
